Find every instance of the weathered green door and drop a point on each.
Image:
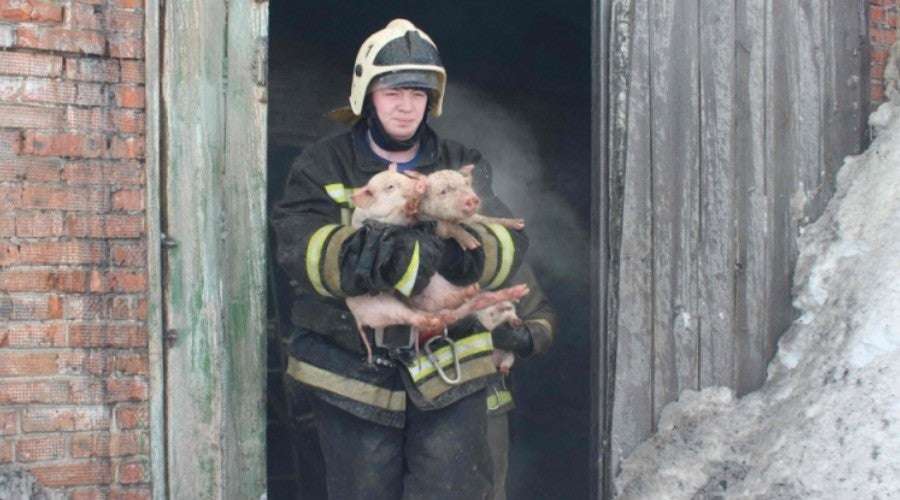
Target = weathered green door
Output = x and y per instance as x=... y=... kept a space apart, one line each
x=213 y=152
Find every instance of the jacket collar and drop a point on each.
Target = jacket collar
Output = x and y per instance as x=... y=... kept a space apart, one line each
x=368 y=161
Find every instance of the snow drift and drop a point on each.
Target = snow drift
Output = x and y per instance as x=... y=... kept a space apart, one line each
x=826 y=424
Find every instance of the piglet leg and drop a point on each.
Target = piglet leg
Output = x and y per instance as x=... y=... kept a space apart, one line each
x=440 y=294
x=455 y=230
x=505 y=222
x=482 y=301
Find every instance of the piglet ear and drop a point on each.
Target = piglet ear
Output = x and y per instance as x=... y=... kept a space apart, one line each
x=466 y=170
x=392 y=167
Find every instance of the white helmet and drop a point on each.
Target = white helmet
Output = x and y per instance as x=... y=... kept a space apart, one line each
x=400 y=55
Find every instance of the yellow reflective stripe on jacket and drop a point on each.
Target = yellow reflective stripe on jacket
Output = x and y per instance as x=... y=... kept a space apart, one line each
x=422 y=367
x=490 y=254
x=347 y=387
x=471 y=369
x=314 y=251
x=507 y=253
x=337 y=192
x=331 y=272
x=498 y=398
x=408 y=280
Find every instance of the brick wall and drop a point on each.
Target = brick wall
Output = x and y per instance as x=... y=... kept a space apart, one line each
x=883 y=16
x=73 y=342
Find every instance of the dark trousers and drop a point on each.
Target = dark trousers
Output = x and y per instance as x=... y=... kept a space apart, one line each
x=440 y=454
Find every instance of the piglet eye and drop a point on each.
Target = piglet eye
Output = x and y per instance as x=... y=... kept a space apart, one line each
x=443 y=191
x=389 y=187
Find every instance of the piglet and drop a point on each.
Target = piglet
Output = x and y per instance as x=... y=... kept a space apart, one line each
x=450 y=200
x=494 y=316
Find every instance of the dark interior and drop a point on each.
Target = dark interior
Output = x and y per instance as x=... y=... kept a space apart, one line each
x=520 y=91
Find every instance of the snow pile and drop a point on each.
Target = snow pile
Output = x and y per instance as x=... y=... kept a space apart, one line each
x=826 y=424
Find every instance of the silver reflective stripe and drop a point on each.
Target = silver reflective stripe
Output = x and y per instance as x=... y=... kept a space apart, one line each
x=356 y=390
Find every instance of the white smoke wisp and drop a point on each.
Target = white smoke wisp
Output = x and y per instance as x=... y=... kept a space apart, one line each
x=506 y=140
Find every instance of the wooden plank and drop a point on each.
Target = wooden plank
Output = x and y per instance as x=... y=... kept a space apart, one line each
x=632 y=418
x=155 y=352
x=675 y=192
x=718 y=363
x=244 y=246
x=751 y=288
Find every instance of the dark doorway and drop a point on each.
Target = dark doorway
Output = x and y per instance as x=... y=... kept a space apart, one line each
x=520 y=91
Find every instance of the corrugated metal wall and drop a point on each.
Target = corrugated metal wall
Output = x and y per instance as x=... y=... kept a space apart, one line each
x=728 y=122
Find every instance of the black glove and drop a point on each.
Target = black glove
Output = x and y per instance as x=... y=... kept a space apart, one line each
x=513 y=339
x=460 y=266
x=379 y=255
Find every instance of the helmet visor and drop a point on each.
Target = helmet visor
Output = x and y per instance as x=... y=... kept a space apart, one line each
x=406 y=79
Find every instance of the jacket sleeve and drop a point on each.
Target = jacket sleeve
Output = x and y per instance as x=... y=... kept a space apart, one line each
x=538 y=316
x=502 y=249
x=322 y=254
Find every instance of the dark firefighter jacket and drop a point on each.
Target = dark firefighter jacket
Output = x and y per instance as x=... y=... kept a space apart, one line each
x=327 y=260
x=539 y=320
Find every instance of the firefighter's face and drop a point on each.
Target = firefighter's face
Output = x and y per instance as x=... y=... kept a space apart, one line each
x=400 y=110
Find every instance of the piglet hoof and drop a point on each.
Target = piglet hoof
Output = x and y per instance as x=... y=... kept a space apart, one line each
x=471 y=291
x=515 y=322
x=514 y=292
x=517 y=224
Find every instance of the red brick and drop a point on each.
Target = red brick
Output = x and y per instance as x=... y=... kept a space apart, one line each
x=126 y=147
x=107 y=335
x=127 y=254
x=876 y=93
x=20 y=335
x=132 y=472
x=38 y=11
x=87 y=494
x=73 y=474
x=43 y=196
x=104 y=444
x=88 y=118
x=128 y=121
x=126 y=363
x=14 y=363
x=86 y=307
x=132 y=416
x=885 y=37
x=13 y=116
x=128 y=95
x=39 y=172
x=132 y=71
x=104 y=226
x=129 y=4
x=65 y=419
x=10 y=195
x=132 y=308
x=128 y=200
x=27 y=64
x=9 y=254
x=33 y=449
x=125 y=389
x=41 y=90
x=92 y=69
x=39 y=280
x=103 y=172
x=61 y=40
x=67 y=144
x=9 y=422
x=12 y=392
x=126 y=46
x=6 y=451
x=130 y=494
x=63 y=252
x=38 y=224
x=86 y=17
x=25 y=307
x=29 y=168
x=126 y=21
x=7 y=224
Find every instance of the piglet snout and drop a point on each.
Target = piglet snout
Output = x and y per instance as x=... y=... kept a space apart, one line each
x=471 y=204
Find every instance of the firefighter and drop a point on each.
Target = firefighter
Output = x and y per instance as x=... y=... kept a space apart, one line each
x=532 y=337
x=408 y=424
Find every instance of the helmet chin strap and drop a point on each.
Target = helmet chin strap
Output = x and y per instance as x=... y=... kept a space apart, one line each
x=381 y=137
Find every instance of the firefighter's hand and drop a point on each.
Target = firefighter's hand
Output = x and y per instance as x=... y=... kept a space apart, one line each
x=516 y=339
